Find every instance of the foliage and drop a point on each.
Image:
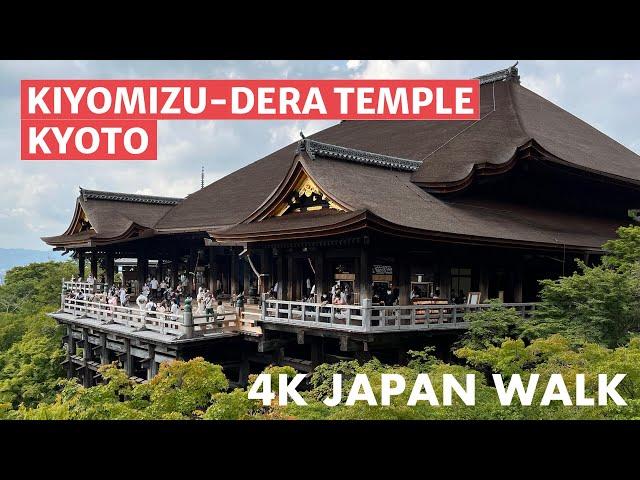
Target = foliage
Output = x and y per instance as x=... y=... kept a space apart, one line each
x=182 y=387
x=598 y=304
x=624 y=250
x=491 y=326
x=29 y=288
x=30 y=362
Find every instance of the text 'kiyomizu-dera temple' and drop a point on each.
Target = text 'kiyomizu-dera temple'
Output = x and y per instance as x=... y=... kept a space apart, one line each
x=416 y=223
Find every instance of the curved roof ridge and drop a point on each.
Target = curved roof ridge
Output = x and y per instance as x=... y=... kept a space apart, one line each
x=87 y=194
x=338 y=152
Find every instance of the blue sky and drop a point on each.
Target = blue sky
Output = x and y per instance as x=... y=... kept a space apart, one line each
x=38 y=197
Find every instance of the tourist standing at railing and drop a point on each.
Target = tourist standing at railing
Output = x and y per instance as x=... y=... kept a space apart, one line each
x=154 y=288
x=240 y=304
x=123 y=297
x=113 y=303
x=179 y=293
x=208 y=304
x=91 y=281
x=220 y=311
x=141 y=301
x=175 y=308
x=163 y=287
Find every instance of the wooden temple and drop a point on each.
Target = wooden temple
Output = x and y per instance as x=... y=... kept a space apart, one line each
x=417 y=222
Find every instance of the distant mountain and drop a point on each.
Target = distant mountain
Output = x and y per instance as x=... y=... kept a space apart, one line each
x=13 y=257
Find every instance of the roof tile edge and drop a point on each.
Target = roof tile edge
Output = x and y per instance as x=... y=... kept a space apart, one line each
x=338 y=152
x=510 y=73
x=127 y=197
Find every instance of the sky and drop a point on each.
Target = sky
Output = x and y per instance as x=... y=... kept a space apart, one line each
x=39 y=197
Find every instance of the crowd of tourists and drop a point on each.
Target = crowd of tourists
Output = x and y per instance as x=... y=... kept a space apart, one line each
x=154 y=296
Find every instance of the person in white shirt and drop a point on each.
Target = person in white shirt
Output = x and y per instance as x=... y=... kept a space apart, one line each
x=175 y=308
x=163 y=287
x=146 y=290
x=141 y=301
x=90 y=279
x=220 y=311
x=154 y=288
x=123 y=297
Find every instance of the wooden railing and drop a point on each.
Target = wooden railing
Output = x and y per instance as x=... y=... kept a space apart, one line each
x=341 y=317
x=184 y=325
x=374 y=318
x=84 y=287
x=165 y=323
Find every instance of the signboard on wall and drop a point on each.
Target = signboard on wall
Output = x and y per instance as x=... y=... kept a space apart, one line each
x=382 y=270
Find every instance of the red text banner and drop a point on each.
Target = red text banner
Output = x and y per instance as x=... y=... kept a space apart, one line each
x=131 y=105
x=88 y=140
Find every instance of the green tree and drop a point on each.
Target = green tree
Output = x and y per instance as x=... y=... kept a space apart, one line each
x=596 y=304
x=29 y=288
x=30 y=366
x=491 y=326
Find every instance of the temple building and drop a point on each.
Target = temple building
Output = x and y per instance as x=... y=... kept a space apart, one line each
x=438 y=216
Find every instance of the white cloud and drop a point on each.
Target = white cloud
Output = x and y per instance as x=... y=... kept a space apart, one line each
x=408 y=69
x=38 y=197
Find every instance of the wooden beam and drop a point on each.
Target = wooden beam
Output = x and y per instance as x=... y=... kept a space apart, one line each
x=110 y=268
x=94 y=264
x=318 y=264
x=212 y=269
x=290 y=278
x=81 y=264
x=234 y=274
x=365 y=274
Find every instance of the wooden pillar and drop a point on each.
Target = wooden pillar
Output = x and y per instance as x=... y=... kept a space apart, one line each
x=290 y=278
x=404 y=280
x=365 y=274
x=191 y=279
x=265 y=270
x=104 y=352
x=317 y=351
x=110 y=268
x=280 y=268
x=142 y=267
x=87 y=376
x=175 y=263
x=246 y=273
x=81 y=264
x=152 y=369
x=71 y=350
x=212 y=270
x=160 y=270
x=234 y=273
x=319 y=280
x=517 y=283
x=483 y=286
x=128 y=358
x=445 y=280
x=94 y=264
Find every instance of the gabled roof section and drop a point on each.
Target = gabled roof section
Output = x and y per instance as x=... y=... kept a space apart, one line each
x=109 y=217
x=295 y=186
